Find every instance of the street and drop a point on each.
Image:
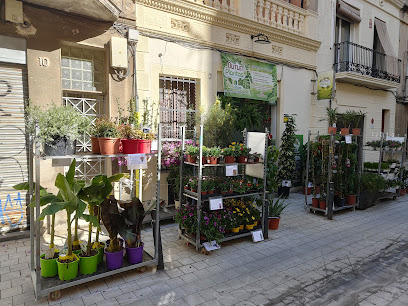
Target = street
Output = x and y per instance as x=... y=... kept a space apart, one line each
x=358 y=258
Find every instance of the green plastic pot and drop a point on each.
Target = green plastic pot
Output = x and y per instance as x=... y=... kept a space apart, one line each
x=49 y=267
x=68 y=271
x=101 y=252
x=88 y=265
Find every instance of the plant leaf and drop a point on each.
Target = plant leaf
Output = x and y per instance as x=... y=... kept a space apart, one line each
x=52 y=209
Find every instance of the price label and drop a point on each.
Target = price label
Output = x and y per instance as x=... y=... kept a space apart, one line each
x=216 y=203
x=286 y=183
x=136 y=161
x=348 y=138
x=211 y=246
x=231 y=170
x=257 y=236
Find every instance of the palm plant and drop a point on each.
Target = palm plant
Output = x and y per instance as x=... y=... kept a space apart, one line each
x=275 y=208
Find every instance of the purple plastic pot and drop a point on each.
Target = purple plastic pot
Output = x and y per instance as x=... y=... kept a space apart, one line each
x=114 y=260
x=135 y=255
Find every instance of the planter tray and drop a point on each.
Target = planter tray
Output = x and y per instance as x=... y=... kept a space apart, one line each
x=194 y=195
x=221 y=165
x=309 y=206
x=54 y=283
x=88 y=155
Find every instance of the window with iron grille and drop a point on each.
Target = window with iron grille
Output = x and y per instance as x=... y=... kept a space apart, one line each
x=82 y=69
x=178 y=97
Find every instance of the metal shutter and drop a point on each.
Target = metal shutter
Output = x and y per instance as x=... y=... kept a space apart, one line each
x=13 y=150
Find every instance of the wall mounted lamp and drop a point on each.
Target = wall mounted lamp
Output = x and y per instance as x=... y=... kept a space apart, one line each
x=261 y=38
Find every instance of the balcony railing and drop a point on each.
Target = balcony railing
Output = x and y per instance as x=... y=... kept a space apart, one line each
x=280 y=15
x=350 y=57
x=224 y=5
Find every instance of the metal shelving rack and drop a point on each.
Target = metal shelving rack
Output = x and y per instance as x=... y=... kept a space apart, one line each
x=330 y=208
x=52 y=286
x=198 y=170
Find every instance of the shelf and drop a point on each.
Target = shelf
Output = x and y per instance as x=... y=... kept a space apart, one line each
x=51 y=284
x=222 y=164
x=194 y=195
x=334 y=208
x=87 y=155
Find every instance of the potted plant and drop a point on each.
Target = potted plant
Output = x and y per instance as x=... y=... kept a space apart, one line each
x=211 y=185
x=94 y=193
x=68 y=200
x=109 y=137
x=346 y=119
x=204 y=186
x=193 y=183
x=356 y=117
x=286 y=159
x=145 y=141
x=206 y=155
x=242 y=152
x=129 y=139
x=402 y=187
x=229 y=154
x=112 y=220
x=214 y=154
x=192 y=152
x=314 y=150
x=48 y=260
x=274 y=211
x=371 y=184
x=331 y=117
x=59 y=127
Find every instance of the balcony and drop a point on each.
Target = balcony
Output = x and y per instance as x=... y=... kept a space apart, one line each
x=359 y=65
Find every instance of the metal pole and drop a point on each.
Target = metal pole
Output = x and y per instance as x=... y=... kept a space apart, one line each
x=330 y=184
x=381 y=154
x=264 y=205
x=200 y=177
x=30 y=198
x=183 y=139
x=307 y=167
x=158 y=246
x=37 y=212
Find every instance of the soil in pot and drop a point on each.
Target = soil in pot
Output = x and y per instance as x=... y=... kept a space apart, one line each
x=49 y=267
x=68 y=269
x=134 y=255
x=95 y=145
x=315 y=202
x=109 y=146
x=114 y=260
x=60 y=147
x=88 y=264
x=273 y=223
x=229 y=159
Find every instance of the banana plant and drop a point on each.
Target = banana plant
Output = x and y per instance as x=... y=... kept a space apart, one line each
x=94 y=193
x=67 y=199
x=45 y=198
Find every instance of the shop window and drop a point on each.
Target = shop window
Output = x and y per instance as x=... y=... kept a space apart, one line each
x=178 y=102
x=82 y=69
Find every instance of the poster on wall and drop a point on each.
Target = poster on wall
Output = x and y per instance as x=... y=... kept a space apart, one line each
x=250 y=79
x=325 y=85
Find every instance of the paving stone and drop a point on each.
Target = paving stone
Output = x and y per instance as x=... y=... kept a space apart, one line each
x=10 y=292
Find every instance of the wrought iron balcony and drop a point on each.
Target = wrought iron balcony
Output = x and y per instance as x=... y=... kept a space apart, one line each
x=350 y=57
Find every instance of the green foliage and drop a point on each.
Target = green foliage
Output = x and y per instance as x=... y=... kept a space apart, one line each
x=193 y=150
x=247 y=116
x=230 y=151
x=286 y=159
x=374 y=165
x=331 y=115
x=133 y=115
x=56 y=122
x=275 y=208
x=373 y=182
x=104 y=127
x=215 y=152
x=111 y=220
x=219 y=125
x=272 y=169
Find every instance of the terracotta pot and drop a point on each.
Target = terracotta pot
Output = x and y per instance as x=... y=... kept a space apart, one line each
x=191 y=159
x=402 y=192
x=186 y=187
x=345 y=131
x=256 y=160
x=273 y=223
x=210 y=192
x=193 y=190
x=242 y=159
x=315 y=202
x=95 y=145
x=309 y=190
x=229 y=159
x=356 y=131
x=332 y=130
x=204 y=160
x=203 y=192
x=212 y=160
x=109 y=146
x=322 y=204
x=351 y=199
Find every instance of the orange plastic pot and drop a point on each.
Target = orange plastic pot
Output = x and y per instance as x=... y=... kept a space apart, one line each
x=315 y=202
x=332 y=130
x=322 y=204
x=351 y=199
x=95 y=145
x=345 y=131
x=229 y=159
x=212 y=160
x=273 y=223
x=356 y=131
x=109 y=146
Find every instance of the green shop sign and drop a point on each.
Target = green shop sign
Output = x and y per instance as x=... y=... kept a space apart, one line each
x=247 y=78
x=325 y=85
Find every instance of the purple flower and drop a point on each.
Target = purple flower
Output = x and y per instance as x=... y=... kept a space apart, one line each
x=190 y=214
x=184 y=217
x=215 y=223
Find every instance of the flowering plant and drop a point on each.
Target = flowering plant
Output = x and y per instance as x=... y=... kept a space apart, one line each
x=215 y=152
x=127 y=131
x=243 y=150
x=230 y=151
x=213 y=225
x=186 y=216
x=226 y=185
x=192 y=182
x=171 y=152
x=192 y=150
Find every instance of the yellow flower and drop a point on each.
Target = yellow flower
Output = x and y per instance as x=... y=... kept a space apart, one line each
x=253 y=218
x=233 y=143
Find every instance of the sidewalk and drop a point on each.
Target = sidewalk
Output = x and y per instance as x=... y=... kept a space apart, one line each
x=359 y=258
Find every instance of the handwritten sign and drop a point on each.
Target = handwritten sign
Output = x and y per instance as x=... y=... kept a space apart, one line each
x=231 y=170
x=211 y=246
x=216 y=203
x=136 y=161
x=257 y=236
